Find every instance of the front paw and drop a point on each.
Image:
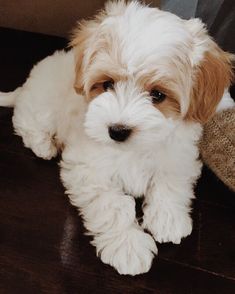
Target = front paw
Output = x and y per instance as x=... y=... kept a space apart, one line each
x=130 y=252
x=167 y=226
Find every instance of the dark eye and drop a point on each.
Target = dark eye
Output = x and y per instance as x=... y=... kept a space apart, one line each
x=157 y=96
x=108 y=85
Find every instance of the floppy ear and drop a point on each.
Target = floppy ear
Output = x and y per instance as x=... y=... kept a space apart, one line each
x=212 y=74
x=81 y=41
x=86 y=42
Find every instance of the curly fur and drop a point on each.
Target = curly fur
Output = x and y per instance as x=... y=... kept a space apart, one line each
x=63 y=107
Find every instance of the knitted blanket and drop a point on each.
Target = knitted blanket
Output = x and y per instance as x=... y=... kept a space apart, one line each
x=217 y=146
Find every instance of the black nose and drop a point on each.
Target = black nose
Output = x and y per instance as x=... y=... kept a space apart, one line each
x=119 y=132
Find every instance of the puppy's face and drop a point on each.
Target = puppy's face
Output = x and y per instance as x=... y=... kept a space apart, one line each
x=143 y=71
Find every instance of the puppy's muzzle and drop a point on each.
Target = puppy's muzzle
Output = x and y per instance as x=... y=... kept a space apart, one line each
x=119 y=133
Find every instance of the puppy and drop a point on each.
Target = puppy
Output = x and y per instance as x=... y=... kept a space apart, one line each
x=126 y=107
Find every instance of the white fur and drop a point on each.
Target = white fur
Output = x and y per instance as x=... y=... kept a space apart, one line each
x=102 y=177
x=226 y=102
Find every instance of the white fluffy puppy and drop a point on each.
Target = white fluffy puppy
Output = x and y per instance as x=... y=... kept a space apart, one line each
x=126 y=106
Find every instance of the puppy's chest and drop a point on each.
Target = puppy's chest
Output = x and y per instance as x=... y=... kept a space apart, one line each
x=134 y=178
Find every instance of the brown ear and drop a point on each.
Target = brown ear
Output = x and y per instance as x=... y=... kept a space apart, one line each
x=212 y=73
x=80 y=41
x=212 y=76
x=85 y=42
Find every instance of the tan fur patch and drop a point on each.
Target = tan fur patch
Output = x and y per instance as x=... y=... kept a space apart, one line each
x=170 y=107
x=212 y=76
x=80 y=40
x=97 y=76
x=97 y=70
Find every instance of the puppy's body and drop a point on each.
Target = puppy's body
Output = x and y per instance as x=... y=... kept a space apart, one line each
x=158 y=155
x=45 y=100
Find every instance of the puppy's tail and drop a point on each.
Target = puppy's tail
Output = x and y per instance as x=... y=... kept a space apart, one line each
x=8 y=99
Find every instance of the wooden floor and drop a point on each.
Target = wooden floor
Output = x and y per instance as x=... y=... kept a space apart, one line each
x=42 y=244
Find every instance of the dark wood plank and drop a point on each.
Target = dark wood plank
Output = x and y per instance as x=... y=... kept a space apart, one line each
x=41 y=233
x=211 y=246
x=211 y=189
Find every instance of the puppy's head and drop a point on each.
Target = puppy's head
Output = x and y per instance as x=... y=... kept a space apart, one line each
x=143 y=70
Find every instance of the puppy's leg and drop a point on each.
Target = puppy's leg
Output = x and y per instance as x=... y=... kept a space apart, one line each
x=40 y=142
x=109 y=216
x=35 y=124
x=35 y=134
x=167 y=210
